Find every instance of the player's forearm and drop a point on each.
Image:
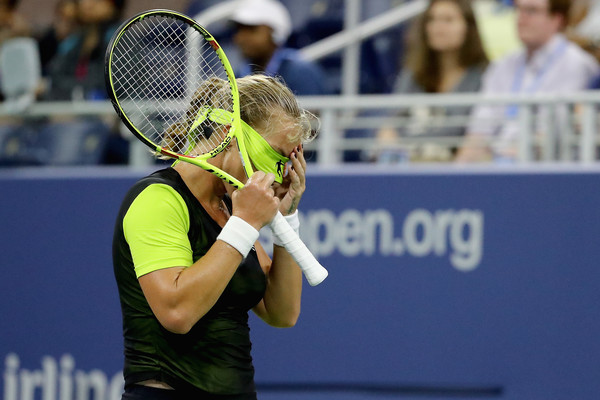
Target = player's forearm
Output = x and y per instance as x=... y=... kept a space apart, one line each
x=283 y=295
x=196 y=289
x=204 y=282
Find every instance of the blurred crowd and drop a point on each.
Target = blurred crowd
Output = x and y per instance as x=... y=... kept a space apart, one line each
x=524 y=47
x=454 y=46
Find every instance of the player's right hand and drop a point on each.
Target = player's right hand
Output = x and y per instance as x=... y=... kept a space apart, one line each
x=256 y=203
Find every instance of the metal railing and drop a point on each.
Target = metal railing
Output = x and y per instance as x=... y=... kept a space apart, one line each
x=575 y=139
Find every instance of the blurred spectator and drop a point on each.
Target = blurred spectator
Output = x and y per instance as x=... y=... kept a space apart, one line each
x=445 y=55
x=12 y=24
x=76 y=71
x=584 y=25
x=262 y=29
x=80 y=35
x=63 y=24
x=549 y=63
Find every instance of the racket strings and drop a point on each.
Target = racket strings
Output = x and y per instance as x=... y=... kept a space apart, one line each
x=171 y=84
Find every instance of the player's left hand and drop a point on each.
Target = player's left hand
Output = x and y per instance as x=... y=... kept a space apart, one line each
x=292 y=188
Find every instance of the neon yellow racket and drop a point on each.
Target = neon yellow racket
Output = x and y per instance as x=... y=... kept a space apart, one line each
x=161 y=69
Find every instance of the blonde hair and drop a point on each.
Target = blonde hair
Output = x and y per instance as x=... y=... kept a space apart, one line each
x=264 y=98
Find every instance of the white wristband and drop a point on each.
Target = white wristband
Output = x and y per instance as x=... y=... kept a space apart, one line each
x=239 y=234
x=294 y=222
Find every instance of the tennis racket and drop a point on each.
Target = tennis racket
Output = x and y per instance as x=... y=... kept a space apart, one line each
x=173 y=87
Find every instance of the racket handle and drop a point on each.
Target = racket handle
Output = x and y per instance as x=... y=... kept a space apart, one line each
x=314 y=272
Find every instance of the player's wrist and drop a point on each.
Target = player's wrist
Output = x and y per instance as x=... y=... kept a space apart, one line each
x=249 y=218
x=239 y=234
x=289 y=207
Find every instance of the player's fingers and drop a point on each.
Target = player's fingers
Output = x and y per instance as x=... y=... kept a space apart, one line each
x=256 y=178
x=301 y=158
x=293 y=178
x=298 y=162
x=298 y=168
x=269 y=179
x=262 y=180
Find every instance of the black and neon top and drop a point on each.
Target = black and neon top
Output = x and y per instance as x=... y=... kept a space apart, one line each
x=161 y=225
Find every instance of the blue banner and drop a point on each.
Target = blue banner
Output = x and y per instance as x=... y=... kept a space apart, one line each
x=447 y=284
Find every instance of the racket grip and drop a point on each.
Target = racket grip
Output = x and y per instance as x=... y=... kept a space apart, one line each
x=314 y=272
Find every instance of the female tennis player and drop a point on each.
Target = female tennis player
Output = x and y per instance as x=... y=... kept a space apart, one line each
x=188 y=265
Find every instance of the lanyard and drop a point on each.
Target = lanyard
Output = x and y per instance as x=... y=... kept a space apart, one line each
x=512 y=110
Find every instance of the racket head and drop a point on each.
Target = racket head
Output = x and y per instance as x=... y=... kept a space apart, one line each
x=172 y=86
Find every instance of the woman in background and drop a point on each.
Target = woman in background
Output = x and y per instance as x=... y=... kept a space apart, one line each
x=444 y=55
x=76 y=71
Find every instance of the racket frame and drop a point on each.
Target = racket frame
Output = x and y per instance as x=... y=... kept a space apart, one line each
x=201 y=160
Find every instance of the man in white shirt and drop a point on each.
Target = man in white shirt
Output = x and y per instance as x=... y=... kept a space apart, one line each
x=548 y=63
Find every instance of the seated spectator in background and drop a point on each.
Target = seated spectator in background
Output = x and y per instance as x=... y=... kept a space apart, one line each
x=549 y=63
x=445 y=55
x=12 y=24
x=262 y=28
x=63 y=24
x=77 y=70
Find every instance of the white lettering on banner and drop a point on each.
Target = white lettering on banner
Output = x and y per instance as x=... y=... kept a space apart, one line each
x=457 y=234
x=58 y=381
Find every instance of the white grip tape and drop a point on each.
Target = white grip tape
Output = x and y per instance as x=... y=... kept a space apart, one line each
x=314 y=272
x=239 y=234
x=294 y=223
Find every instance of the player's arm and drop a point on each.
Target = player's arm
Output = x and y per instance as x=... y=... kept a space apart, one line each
x=280 y=306
x=281 y=303
x=180 y=296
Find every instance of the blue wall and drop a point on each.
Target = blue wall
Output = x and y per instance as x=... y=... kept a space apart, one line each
x=443 y=284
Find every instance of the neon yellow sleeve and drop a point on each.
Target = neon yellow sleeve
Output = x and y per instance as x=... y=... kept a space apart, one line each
x=156 y=227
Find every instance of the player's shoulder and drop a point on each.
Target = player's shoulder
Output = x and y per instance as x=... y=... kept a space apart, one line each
x=159 y=184
x=158 y=201
x=166 y=175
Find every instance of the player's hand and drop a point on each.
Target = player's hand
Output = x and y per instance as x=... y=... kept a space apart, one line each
x=292 y=188
x=256 y=202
